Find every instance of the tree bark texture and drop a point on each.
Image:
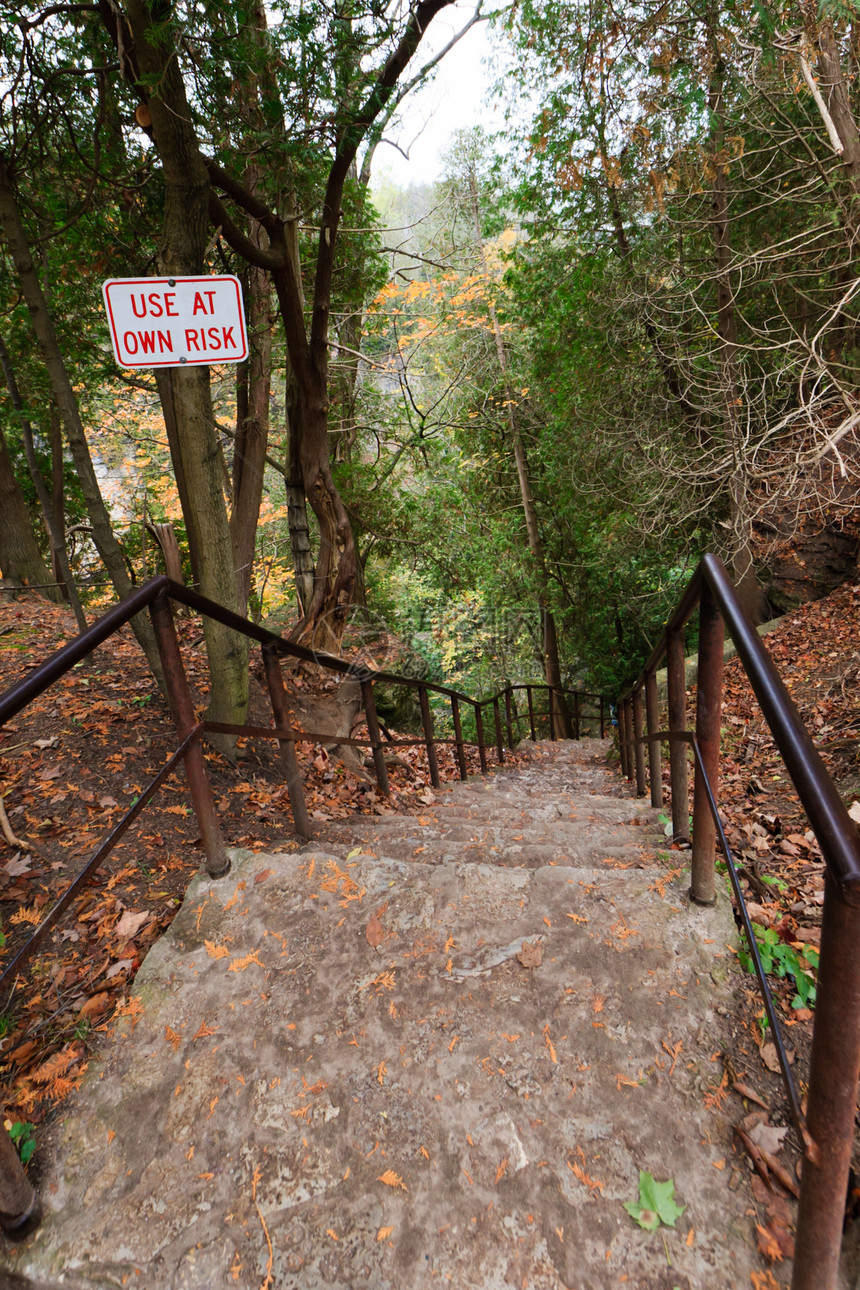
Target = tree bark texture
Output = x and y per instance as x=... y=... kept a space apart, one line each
x=194 y=444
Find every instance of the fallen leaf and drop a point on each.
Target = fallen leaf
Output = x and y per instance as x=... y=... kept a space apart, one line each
x=530 y=956
x=769 y=1057
x=767 y=1137
x=384 y=1233
x=94 y=1005
x=216 y=951
x=391 y=1179
x=129 y=924
x=374 y=933
x=17 y=866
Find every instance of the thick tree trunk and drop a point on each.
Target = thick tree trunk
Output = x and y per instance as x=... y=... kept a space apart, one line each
x=252 y=426
x=21 y=560
x=103 y=535
x=194 y=445
x=297 y=513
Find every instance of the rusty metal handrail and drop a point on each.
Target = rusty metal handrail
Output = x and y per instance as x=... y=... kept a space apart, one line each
x=827 y=1134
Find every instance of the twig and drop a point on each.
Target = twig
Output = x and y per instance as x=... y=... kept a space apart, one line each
x=7 y=830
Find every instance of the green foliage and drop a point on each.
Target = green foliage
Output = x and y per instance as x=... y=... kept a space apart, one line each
x=783 y=961
x=24 y=1137
x=656 y=1204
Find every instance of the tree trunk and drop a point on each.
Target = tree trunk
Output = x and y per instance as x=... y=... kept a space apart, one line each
x=53 y=524
x=21 y=560
x=252 y=421
x=194 y=446
x=297 y=513
x=103 y=534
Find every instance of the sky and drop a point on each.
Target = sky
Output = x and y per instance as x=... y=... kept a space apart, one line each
x=458 y=97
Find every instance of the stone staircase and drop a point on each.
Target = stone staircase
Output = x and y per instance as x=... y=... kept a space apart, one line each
x=425 y=1050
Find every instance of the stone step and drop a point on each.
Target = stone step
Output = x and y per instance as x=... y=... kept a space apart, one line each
x=345 y=1071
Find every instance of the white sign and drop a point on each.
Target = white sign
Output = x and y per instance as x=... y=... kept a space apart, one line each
x=170 y=322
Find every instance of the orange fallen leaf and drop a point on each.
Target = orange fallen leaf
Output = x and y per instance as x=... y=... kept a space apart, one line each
x=239 y=965
x=384 y=1233
x=171 y=1037
x=205 y=1031
x=691 y=1236
x=391 y=1179
x=374 y=933
x=216 y=951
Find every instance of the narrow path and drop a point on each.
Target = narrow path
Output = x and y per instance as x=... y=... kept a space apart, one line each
x=439 y=1054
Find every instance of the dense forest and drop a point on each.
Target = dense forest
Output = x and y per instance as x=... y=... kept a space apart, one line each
x=503 y=413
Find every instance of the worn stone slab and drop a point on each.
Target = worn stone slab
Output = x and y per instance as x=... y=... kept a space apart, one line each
x=288 y=1100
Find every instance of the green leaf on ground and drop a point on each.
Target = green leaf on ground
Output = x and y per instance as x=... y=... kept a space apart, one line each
x=656 y=1203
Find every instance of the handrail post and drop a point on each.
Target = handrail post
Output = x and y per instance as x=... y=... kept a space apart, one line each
x=551 y=694
x=638 y=746
x=622 y=738
x=479 y=727
x=652 y=721
x=628 y=738
x=508 y=717
x=677 y=703
x=576 y=714
x=500 y=745
x=427 y=722
x=179 y=698
x=833 y=1077
x=709 y=700
x=602 y=720
x=287 y=745
x=531 y=713
x=458 y=735
x=20 y=1207
x=375 y=738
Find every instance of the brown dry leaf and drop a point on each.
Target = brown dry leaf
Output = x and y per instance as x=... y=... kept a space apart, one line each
x=216 y=951
x=263 y=875
x=171 y=1037
x=767 y=1137
x=94 y=1005
x=750 y=1094
x=374 y=933
x=391 y=1179
x=205 y=1031
x=770 y=1058
x=530 y=956
x=768 y=1244
x=129 y=924
x=384 y=1233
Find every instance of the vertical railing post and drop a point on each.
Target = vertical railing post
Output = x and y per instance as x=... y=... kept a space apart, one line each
x=652 y=721
x=375 y=737
x=602 y=719
x=709 y=701
x=551 y=694
x=286 y=744
x=628 y=738
x=622 y=739
x=179 y=698
x=508 y=717
x=531 y=713
x=20 y=1208
x=676 y=684
x=458 y=736
x=500 y=743
x=427 y=722
x=482 y=747
x=638 y=746
x=576 y=715
x=833 y=1077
